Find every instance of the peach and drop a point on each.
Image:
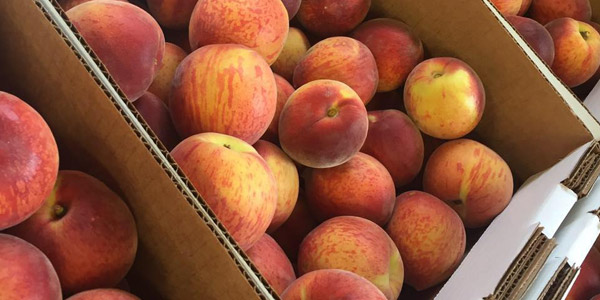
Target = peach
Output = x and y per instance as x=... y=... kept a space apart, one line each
x=104 y=294
x=430 y=237
x=331 y=17
x=508 y=7
x=180 y=38
x=474 y=180
x=127 y=40
x=173 y=14
x=584 y=89
x=332 y=284
x=86 y=230
x=357 y=245
x=292 y=7
x=536 y=36
x=261 y=25
x=227 y=89
x=272 y=263
x=545 y=11
x=161 y=86
x=525 y=4
x=156 y=114
x=587 y=284
x=444 y=97
x=397 y=50
x=291 y=233
x=323 y=124
x=234 y=180
x=343 y=59
x=360 y=187
x=286 y=175
x=577 y=47
x=294 y=49
x=25 y=272
x=284 y=91
x=396 y=142
x=28 y=160
x=68 y=4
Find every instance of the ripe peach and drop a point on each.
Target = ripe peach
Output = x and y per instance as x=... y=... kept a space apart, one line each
x=284 y=91
x=234 y=181
x=343 y=59
x=357 y=245
x=156 y=114
x=127 y=40
x=525 y=4
x=68 y=4
x=587 y=283
x=286 y=175
x=444 y=97
x=536 y=36
x=173 y=14
x=471 y=178
x=396 y=142
x=227 y=89
x=28 y=160
x=545 y=11
x=292 y=7
x=332 y=284
x=430 y=237
x=332 y=17
x=577 y=47
x=261 y=25
x=508 y=7
x=103 y=294
x=323 y=124
x=294 y=49
x=272 y=263
x=360 y=187
x=397 y=50
x=161 y=86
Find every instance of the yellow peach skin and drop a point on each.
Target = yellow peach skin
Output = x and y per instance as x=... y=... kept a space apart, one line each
x=294 y=49
x=332 y=284
x=227 y=89
x=284 y=91
x=162 y=82
x=357 y=245
x=508 y=7
x=444 y=97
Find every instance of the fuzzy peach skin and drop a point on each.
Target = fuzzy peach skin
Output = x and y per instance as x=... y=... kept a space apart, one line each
x=291 y=233
x=583 y=90
x=343 y=59
x=332 y=17
x=396 y=142
x=545 y=11
x=577 y=46
x=227 y=89
x=471 y=178
x=292 y=7
x=430 y=237
x=444 y=97
x=508 y=7
x=25 y=272
x=525 y=4
x=86 y=230
x=234 y=181
x=28 y=160
x=173 y=14
x=104 y=294
x=587 y=283
x=536 y=35
x=397 y=50
x=286 y=175
x=156 y=114
x=128 y=41
x=323 y=124
x=332 y=284
x=261 y=25
x=68 y=4
x=294 y=49
x=360 y=187
x=284 y=91
x=272 y=263
x=357 y=245
x=161 y=86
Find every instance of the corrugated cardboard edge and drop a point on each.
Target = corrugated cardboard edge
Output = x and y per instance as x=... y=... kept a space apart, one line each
x=524 y=268
x=584 y=176
x=51 y=10
x=496 y=14
x=560 y=282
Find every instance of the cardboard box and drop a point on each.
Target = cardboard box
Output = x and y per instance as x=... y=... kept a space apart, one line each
x=184 y=251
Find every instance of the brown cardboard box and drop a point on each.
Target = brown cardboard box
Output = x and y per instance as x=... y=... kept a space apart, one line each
x=185 y=254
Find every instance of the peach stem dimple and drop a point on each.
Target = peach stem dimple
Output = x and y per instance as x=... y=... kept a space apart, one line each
x=332 y=112
x=227 y=146
x=59 y=211
x=585 y=34
x=437 y=75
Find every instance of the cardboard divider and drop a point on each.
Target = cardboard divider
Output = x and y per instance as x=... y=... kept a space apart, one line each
x=184 y=252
